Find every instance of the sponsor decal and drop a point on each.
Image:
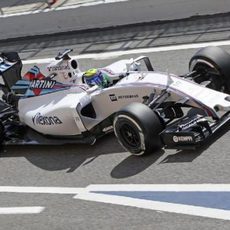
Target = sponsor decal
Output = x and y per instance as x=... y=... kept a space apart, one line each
x=113 y=97
x=34 y=73
x=128 y=96
x=58 y=68
x=177 y=139
x=42 y=84
x=38 y=119
x=189 y=124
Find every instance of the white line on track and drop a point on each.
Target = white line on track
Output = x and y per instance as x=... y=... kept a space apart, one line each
x=161 y=187
x=21 y=210
x=48 y=190
x=118 y=187
x=90 y=193
x=113 y=54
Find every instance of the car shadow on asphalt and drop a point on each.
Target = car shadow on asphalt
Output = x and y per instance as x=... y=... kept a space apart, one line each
x=183 y=156
x=133 y=165
x=70 y=157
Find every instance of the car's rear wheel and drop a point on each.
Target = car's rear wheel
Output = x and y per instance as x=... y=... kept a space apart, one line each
x=212 y=65
x=137 y=128
x=2 y=133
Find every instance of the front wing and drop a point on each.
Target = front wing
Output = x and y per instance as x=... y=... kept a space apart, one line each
x=193 y=132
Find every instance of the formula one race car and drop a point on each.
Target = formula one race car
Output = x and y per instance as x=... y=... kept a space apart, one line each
x=145 y=108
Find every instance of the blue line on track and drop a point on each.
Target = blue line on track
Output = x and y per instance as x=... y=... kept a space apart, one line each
x=218 y=200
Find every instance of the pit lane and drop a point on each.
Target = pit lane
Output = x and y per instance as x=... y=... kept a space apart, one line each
x=107 y=163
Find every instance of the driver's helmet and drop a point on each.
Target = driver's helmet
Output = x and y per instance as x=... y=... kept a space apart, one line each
x=95 y=77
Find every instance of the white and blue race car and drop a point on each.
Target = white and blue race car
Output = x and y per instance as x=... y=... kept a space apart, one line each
x=146 y=109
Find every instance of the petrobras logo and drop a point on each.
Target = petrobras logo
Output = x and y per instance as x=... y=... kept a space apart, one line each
x=177 y=139
x=128 y=96
x=42 y=84
x=38 y=119
x=113 y=97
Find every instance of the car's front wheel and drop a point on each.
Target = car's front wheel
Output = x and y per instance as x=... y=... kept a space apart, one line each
x=137 y=128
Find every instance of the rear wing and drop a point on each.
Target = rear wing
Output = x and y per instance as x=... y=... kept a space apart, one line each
x=10 y=70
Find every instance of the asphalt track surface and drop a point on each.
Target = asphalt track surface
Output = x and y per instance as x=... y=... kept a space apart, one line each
x=106 y=162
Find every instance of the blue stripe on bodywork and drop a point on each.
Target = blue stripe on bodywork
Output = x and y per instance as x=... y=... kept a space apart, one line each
x=4 y=67
x=25 y=84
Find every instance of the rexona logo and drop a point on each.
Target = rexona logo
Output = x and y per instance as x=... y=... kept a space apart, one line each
x=182 y=139
x=38 y=119
x=42 y=84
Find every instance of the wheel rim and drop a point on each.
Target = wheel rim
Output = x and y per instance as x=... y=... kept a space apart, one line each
x=210 y=74
x=130 y=135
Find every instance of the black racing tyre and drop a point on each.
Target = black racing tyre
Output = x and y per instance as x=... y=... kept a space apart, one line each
x=137 y=128
x=213 y=64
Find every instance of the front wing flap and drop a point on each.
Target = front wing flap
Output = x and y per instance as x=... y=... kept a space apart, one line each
x=192 y=132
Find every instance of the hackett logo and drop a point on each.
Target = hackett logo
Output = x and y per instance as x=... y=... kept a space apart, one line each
x=38 y=119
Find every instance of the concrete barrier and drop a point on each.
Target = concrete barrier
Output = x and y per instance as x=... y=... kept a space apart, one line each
x=106 y=15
